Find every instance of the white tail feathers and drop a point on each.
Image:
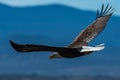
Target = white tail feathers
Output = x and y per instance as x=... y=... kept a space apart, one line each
x=96 y=48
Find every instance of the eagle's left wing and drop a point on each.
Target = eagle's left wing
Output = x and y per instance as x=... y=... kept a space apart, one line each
x=93 y=29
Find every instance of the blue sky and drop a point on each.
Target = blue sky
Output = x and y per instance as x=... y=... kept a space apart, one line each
x=80 y=4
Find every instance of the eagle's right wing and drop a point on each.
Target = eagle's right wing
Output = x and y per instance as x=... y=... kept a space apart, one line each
x=31 y=47
x=93 y=29
x=34 y=48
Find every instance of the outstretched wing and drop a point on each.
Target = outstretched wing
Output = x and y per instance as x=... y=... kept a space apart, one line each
x=95 y=28
x=31 y=48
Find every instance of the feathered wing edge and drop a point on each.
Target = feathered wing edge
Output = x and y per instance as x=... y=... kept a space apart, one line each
x=33 y=48
x=104 y=11
x=89 y=33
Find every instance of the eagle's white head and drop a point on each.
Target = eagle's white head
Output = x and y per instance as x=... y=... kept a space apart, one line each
x=55 y=55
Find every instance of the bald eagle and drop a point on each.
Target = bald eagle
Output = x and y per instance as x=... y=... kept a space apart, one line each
x=79 y=46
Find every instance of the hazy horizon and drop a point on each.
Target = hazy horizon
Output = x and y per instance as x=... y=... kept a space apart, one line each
x=79 y=4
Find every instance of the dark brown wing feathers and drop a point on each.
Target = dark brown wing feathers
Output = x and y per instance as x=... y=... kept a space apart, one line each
x=89 y=33
x=31 y=47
